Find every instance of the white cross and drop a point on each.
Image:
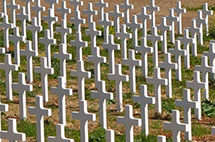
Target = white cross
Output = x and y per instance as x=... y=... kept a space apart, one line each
x=22 y=87
x=106 y=23
x=178 y=52
x=118 y=77
x=13 y=6
x=38 y=9
x=163 y=27
x=40 y=112
x=93 y=33
x=176 y=126
x=63 y=30
x=110 y=137
x=172 y=19
x=132 y=63
x=126 y=7
x=96 y=59
x=211 y=53
x=194 y=30
x=3 y=108
x=90 y=12
x=63 y=56
x=4 y=6
x=28 y=8
x=29 y=53
x=161 y=138
x=84 y=117
x=76 y=4
x=205 y=13
x=129 y=121
x=81 y=74
x=7 y=26
x=144 y=17
x=186 y=40
x=197 y=85
x=187 y=104
x=179 y=11
x=64 y=11
x=157 y=81
x=78 y=21
x=154 y=38
x=101 y=4
x=8 y=67
x=134 y=25
x=144 y=100
x=16 y=38
x=152 y=8
x=44 y=70
x=61 y=91
x=52 y=4
x=116 y=15
x=12 y=135
x=79 y=43
x=111 y=47
x=144 y=49
x=47 y=40
x=204 y=68
x=103 y=96
x=124 y=36
x=60 y=135
x=23 y=18
x=35 y=28
x=200 y=21
x=168 y=65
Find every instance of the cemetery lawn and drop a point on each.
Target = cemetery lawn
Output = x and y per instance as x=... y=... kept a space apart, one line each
x=201 y=129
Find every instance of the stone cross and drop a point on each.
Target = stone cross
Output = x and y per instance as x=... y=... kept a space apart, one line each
x=144 y=100
x=101 y=4
x=178 y=52
x=163 y=27
x=211 y=53
x=22 y=87
x=110 y=137
x=194 y=31
x=79 y=44
x=172 y=19
x=63 y=30
x=6 y=26
x=47 y=40
x=90 y=12
x=197 y=85
x=8 y=67
x=16 y=38
x=44 y=70
x=186 y=40
x=144 y=49
x=154 y=38
x=179 y=11
x=84 y=117
x=52 y=4
x=64 y=11
x=118 y=77
x=161 y=138
x=38 y=10
x=29 y=54
x=76 y=4
x=116 y=15
x=205 y=13
x=168 y=65
x=81 y=74
x=61 y=91
x=157 y=81
x=28 y=8
x=96 y=59
x=3 y=108
x=35 y=28
x=63 y=56
x=60 y=135
x=23 y=18
x=144 y=17
x=126 y=7
x=111 y=47
x=40 y=112
x=200 y=21
x=132 y=63
x=153 y=8
x=13 y=6
x=103 y=96
x=187 y=104
x=77 y=21
x=204 y=68
x=106 y=24
x=176 y=126
x=12 y=135
x=124 y=36
x=93 y=33
x=129 y=121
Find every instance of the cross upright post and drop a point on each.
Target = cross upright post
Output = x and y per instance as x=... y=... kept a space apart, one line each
x=205 y=13
x=64 y=10
x=126 y=7
x=200 y=21
x=13 y=6
x=116 y=15
x=38 y=10
x=153 y=8
x=102 y=5
x=23 y=17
